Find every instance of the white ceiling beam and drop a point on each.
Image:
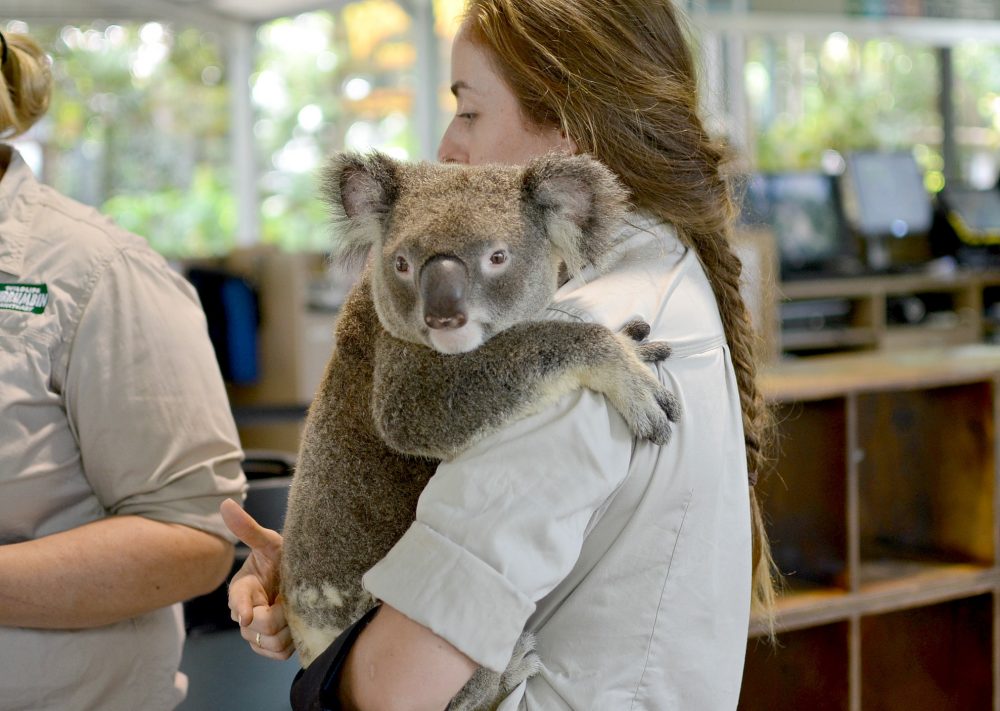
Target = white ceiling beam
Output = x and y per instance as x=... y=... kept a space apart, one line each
x=61 y=12
x=938 y=32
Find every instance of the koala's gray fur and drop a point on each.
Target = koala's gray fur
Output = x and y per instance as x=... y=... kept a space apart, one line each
x=424 y=366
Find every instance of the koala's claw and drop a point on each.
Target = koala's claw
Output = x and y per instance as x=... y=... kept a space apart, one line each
x=656 y=427
x=636 y=329
x=524 y=663
x=669 y=404
x=653 y=352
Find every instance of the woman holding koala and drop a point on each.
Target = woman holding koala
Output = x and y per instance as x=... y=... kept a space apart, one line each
x=635 y=566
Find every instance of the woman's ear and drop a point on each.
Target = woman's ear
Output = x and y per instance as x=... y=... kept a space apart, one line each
x=580 y=202
x=568 y=143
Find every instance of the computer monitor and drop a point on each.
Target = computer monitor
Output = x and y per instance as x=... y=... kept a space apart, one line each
x=973 y=214
x=888 y=206
x=803 y=211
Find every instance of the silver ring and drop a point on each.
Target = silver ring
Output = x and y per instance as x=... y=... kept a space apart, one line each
x=258 y=639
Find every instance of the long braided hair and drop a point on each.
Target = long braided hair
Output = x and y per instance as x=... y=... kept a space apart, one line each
x=618 y=77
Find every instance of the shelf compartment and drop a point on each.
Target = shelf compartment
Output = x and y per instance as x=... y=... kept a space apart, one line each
x=901 y=586
x=929 y=658
x=829 y=339
x=930 y=335
x=926 y=470
x=798 y=609
x=805 y=497
x=835 y=323
x=806 y=669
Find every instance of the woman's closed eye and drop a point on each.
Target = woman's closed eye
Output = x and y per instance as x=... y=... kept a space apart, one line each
x=467 y=115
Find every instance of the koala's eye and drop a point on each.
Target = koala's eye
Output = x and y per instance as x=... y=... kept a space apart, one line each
x=498 y=257
x=402 y=266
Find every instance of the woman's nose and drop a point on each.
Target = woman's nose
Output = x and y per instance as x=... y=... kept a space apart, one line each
x=450 y=150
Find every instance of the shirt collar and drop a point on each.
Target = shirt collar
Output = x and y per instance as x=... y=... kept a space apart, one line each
x=19 y=192
x=639 y=229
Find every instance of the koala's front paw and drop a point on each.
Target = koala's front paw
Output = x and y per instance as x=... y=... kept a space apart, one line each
x=648 y=352
x=647 y=406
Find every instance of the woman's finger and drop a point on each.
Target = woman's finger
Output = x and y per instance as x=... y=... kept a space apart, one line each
x=278 y=645
x=268 y=620
x=247 y=594
x=246 y=528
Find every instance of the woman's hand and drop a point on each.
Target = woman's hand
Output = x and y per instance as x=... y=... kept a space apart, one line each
x=254 y=601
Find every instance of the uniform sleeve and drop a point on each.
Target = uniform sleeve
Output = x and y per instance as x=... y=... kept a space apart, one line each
x=146 y=400
x=502 y=525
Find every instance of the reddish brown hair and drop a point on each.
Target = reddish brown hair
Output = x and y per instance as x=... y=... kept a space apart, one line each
x=619 y=78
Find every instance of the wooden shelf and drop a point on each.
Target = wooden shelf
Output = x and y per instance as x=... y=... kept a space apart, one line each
x=900 y=588
x=950 y=310
x=883 y=512
x=828 y=339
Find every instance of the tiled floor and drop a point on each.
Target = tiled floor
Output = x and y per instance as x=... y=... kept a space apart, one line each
x=224 y=675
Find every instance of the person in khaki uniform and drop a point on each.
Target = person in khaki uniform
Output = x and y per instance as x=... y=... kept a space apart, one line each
x=117 y=444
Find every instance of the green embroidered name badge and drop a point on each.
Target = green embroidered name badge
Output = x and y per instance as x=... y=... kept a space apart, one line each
x=28 y=298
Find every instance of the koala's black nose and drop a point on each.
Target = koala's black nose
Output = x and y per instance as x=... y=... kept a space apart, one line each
x=442 y=286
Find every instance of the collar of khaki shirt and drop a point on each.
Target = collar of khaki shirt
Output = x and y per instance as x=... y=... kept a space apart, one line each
x=18 y=195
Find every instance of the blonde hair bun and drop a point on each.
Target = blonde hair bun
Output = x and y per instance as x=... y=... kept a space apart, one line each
x=25 y=85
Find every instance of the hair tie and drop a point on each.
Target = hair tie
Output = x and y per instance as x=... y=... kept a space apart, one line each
x=3 y=49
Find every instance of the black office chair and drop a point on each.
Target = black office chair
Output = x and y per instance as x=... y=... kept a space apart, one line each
x=267 y=463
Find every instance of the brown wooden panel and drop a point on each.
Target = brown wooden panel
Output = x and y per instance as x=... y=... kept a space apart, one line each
x=929 y=658
x=806 y=670
x=805 y=498
x=927 y=472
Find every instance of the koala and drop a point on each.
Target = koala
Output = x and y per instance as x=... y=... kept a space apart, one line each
x=438 y=345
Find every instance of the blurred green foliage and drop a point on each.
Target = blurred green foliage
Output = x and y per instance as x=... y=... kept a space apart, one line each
x=138 y=126
x=811 y=95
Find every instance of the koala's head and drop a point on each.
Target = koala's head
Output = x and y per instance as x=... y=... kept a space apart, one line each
x=460 y=253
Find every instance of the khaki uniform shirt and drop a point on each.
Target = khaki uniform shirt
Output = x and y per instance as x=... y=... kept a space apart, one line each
x=111 y=403
x=630 y=562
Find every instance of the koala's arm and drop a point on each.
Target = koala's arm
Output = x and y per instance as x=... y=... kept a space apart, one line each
x=430 y=404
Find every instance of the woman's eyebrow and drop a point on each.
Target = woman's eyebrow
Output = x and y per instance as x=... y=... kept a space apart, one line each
x=460 y=86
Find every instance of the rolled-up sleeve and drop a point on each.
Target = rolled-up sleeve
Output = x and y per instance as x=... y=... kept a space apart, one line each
x=500 y=526
x=146 y=400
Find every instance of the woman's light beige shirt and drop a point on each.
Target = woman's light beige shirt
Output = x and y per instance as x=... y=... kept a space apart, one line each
x=629 y=562
x=111 y=403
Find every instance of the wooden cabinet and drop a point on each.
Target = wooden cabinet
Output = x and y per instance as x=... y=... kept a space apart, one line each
x=883 y=516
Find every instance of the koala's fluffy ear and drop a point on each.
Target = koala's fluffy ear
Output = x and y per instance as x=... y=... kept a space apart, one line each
x=360 y=191
x=581 y=202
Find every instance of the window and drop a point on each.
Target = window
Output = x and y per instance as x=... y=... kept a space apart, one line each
x=325 y=82
x=977 y=112
x=811 y=94
x=122 y=132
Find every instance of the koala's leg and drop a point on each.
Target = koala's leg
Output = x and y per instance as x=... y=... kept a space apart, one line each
x=486 y=689
x=430 y=404
x=351 y=497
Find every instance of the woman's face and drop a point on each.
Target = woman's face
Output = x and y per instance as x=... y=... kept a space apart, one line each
x=488 y=126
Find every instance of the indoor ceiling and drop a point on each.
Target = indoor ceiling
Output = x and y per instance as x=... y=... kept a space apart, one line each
x=208 y=11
